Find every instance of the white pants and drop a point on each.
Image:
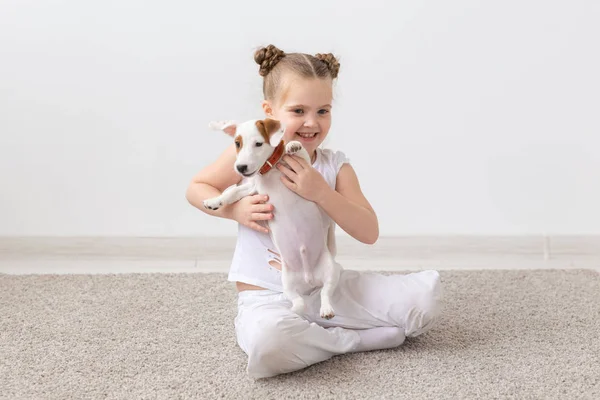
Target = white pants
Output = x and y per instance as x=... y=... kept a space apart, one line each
x=372 y=311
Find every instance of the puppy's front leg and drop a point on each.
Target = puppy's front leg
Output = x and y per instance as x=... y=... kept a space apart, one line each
x=230 y=195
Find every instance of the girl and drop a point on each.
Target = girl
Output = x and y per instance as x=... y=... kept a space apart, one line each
x=373 y=311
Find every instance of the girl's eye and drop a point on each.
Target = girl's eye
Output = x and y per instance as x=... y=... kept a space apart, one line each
x=258 y=144
x=298 y=111
x=323 y=112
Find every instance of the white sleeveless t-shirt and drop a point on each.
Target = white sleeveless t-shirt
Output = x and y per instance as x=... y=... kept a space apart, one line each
x=254 y=250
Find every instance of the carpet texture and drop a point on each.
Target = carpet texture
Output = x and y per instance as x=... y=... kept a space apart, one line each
x=504 y=334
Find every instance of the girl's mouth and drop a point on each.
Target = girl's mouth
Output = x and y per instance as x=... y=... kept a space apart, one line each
x=307 y=136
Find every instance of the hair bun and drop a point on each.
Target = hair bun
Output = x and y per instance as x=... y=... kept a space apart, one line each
x=267 y=58
x=332 y=63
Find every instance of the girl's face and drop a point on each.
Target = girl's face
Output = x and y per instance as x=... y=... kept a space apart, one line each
x=304 y=106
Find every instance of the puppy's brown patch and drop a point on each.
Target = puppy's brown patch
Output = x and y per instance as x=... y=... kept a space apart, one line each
x=239 y=142
x=267 y=127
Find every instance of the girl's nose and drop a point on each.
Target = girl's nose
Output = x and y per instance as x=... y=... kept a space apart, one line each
x=310 y=123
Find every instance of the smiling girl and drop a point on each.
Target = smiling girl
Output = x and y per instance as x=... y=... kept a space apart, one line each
x=373 y=311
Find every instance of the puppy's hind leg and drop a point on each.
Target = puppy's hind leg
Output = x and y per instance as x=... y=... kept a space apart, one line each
x=331 y=277
x=331 y=244
x=308 y=277
x=289 y=290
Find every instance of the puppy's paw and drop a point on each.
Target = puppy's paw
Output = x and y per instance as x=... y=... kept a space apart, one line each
x=213 y=204
x=327 y=311
x=293 y=147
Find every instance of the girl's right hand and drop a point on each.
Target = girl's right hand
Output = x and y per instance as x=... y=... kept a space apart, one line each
x=250 y=209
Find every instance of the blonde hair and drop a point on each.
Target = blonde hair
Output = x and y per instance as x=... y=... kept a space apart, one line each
x=274 y=63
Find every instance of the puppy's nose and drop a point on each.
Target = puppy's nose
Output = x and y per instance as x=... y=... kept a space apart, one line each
x=242 y=168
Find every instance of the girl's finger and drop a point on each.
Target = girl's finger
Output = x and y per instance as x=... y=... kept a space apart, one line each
x=287 y=172
x=258 y=227
x=259 y=198
x=289 y=184
x=261 y=208
x=302 y=161
x=292 y=162
x=261 y=216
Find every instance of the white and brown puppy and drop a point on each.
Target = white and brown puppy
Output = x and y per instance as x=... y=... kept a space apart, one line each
x=303 y=236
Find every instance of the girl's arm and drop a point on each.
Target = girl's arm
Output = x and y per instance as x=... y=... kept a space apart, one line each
x=346 y=205
x=349 y=208
x=212 y=181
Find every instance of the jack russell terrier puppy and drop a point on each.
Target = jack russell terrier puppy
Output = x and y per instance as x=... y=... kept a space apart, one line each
x=303 y=236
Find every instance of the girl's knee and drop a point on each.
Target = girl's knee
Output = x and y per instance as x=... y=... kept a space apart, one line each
x=270 y=352
x=425 y=315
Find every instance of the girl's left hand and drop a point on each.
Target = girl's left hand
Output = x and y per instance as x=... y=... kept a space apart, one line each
x=303 y=179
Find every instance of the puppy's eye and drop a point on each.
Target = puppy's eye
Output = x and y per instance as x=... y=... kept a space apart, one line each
x=258 y=144
x=237 y=145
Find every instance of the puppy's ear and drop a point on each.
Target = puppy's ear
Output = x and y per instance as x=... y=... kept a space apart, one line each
x=271 y=125
x=271 y=130
x=229 y=127
x=276 y=131
x=277 y=136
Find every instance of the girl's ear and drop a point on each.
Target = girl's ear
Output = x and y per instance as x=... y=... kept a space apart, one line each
x=267 y=108
x=229 y=127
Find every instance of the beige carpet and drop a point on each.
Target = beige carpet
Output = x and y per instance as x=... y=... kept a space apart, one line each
x=504 y=334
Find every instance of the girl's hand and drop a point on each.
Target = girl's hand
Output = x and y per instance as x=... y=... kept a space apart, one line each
x=250 y=209
x=303 y=179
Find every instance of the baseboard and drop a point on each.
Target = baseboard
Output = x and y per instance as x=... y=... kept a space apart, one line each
x=147 y=254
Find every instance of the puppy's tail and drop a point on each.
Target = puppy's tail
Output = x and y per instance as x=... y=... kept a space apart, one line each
x=306 y=265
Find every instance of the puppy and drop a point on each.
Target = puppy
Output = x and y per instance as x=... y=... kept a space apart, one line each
x=303 y=236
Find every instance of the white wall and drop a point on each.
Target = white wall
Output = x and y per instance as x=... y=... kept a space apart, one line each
x=486 y=114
